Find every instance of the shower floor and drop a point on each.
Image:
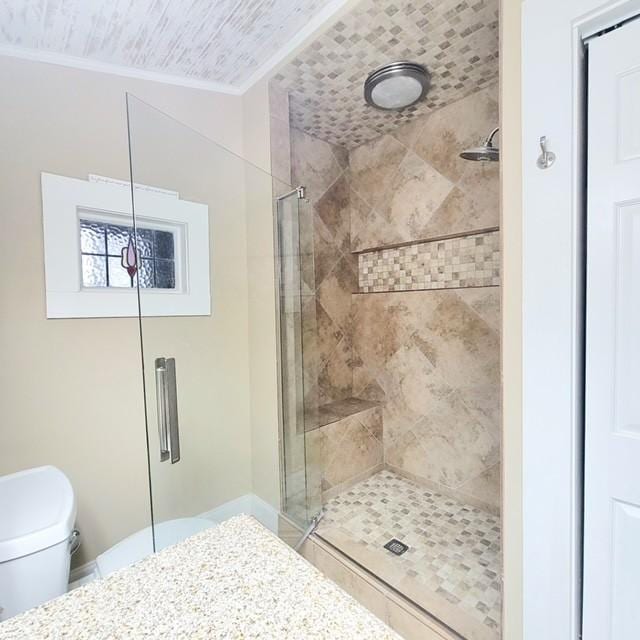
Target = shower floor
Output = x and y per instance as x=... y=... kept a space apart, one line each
x=452 y=566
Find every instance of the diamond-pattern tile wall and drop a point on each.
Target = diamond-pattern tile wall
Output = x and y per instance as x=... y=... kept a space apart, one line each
x=457 y=40
x=412 y=353
x=411 y=184
x=328 y=269
x=432 y=360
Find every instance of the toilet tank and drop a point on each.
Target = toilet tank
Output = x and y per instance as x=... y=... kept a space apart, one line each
x=37 y=515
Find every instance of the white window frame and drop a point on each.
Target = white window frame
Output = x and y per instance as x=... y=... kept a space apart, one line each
x=67 y=200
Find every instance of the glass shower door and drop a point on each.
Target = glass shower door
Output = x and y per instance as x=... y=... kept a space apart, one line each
x=208 y=328
x=301 y=473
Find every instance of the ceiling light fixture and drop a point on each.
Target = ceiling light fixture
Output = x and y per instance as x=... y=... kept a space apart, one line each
x=397 y=85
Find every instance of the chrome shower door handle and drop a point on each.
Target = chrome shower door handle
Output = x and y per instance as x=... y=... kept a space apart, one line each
x=167 y=400
x=172 y=411
x=162 y=408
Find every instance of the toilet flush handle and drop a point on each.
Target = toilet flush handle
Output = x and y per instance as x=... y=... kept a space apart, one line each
x=74 y=541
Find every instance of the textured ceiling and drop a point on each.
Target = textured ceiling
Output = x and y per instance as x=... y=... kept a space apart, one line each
x=222 y=41
x=457 y=40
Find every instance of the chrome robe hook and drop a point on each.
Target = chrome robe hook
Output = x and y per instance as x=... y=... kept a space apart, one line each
x=546 y=158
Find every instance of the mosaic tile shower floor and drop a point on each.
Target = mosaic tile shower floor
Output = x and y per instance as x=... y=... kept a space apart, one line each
x=452 y=566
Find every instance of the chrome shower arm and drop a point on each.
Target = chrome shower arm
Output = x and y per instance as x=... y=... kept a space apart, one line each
x=489 y=140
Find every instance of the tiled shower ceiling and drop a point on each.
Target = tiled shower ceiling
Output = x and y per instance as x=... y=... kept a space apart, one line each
x=457 y=40
x=221 y=41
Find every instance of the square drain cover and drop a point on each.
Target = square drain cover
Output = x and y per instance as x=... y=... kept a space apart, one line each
x=395 y=546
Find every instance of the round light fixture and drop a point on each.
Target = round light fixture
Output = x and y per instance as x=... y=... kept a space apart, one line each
x=397 y=85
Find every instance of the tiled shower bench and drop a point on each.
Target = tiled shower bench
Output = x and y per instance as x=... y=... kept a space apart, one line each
x=344 y=443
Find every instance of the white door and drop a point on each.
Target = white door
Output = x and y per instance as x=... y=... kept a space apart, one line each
x=612 y=439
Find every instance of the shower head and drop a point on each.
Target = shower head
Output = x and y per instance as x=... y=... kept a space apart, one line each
x=486 y=153
x=396 y=85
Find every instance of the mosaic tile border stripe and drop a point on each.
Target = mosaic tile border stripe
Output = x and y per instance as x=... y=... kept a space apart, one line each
x=466 y=261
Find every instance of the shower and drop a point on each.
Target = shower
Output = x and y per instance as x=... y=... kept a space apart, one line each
x=399 y=246
x=485 y=153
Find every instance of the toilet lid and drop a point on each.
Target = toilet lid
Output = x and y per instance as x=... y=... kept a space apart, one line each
x=38 y=510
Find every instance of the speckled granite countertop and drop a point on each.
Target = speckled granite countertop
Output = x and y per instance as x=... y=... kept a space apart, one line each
x=234 y=581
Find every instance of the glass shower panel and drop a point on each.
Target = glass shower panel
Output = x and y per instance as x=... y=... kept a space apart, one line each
x=208 y=328
x=301 y=478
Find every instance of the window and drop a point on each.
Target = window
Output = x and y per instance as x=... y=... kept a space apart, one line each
x=93 y=260
x=111 y=257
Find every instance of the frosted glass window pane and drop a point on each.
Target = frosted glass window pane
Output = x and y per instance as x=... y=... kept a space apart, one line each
x=146 y=275
x=165 y=274
x=91 y=237
x=94 y=271
x=117 y=238
x=145 y=242
x=105 y=242
x=164 y=244
x=118 y=276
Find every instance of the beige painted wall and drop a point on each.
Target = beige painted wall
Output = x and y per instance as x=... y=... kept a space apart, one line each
x=211 y=352
x=71 y=390
x=511 y=226
x=261 y=296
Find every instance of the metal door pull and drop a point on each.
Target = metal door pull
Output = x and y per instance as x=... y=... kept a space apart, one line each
x=167 y=403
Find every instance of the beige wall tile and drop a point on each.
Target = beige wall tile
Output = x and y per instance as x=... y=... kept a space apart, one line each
x=415 y=194
x=436 y=361
x=412 y=183
x=373 y=166
x=333 y=209
x=460 y=125
x=363 y=591
x=350 y=450
x=485 y=487
x=280 y=150
x=334 y=293
x=404 y=618
x=335 y=381
x=314 y=164
x=411 y=627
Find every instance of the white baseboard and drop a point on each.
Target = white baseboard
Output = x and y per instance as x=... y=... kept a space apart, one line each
x=82 y=574
x=249 y=504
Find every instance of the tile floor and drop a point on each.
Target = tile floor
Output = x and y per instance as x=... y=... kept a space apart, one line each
x=452 y=566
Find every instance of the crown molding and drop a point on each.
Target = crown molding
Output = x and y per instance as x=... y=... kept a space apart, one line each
x=86 y=64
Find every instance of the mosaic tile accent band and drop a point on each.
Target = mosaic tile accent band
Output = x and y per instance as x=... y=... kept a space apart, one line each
x=454 y=263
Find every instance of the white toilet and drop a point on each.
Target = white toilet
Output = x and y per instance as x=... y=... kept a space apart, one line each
x=37 y=514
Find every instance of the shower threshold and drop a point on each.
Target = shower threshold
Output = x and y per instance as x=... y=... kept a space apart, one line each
x=452 y=565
